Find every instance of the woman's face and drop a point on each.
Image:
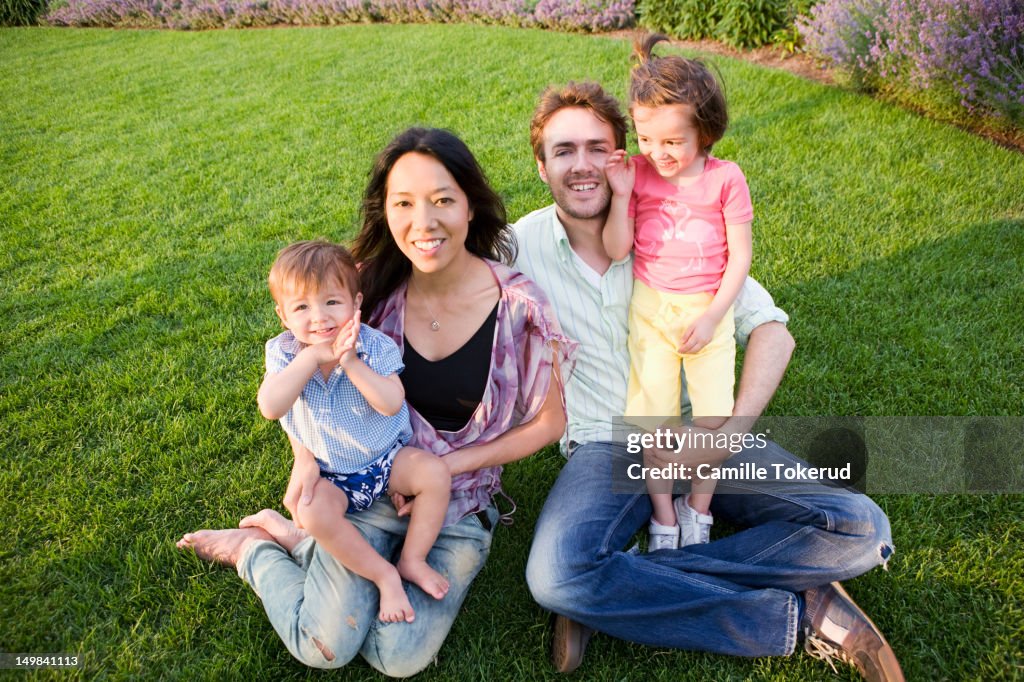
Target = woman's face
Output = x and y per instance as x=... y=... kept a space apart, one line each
x=427 y=212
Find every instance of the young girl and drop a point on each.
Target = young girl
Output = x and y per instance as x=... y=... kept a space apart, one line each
x=687 y=216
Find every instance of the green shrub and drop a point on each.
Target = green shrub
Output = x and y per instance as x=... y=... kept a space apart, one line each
x=749 y=23
x=20 y=12
x=739 y=23
x=697 y=19
x=788 y=36
x=659 y=15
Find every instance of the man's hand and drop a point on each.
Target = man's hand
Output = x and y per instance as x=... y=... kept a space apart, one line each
x=621 y=172
x=305 y=476
x=345 y=344
x=698 y=334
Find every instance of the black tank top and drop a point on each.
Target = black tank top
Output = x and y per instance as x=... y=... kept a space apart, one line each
x=447 y=392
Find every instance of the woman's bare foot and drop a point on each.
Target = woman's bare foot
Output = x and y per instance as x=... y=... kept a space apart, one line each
x=221 y=546
x=283 y=530
x=394 y=603
x=418 y=572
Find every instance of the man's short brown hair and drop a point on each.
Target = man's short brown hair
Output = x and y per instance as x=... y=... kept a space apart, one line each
x=311 y=265
x=587 y=95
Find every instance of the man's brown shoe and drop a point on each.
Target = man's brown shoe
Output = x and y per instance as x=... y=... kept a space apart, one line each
x=835 y=627
x=568 y=644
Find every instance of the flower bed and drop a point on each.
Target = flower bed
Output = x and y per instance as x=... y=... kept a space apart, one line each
x=565 y=15
x=955 y=58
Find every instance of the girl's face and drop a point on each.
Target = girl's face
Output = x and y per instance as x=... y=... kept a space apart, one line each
x=667 y=137
x=427 y=212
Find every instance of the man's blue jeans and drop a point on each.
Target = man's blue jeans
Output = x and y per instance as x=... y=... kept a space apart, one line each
x=735 y=595
x=319 y=607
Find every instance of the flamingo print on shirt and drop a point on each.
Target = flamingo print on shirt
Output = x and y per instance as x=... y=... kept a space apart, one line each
x=675 y=222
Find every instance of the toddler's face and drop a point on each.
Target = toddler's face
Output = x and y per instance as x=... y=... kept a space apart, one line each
x=316 y=316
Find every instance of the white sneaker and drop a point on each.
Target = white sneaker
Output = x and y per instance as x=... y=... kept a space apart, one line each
x=662 y=537
x=694 y=527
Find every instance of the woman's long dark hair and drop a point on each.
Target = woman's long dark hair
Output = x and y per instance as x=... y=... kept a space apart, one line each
x=383 y=266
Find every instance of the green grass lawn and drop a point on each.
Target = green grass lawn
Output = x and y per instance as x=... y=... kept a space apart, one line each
x=146 y=181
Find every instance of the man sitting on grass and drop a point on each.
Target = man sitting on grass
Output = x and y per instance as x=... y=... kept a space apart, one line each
x=757 y=592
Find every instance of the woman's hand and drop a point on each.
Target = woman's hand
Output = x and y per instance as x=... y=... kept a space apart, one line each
x=402 y=504
x=305 y=476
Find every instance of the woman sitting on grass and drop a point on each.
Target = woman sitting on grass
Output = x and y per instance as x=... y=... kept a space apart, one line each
x=485 y=363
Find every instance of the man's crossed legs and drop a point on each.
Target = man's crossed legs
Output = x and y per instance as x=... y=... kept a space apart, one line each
x=742 y=595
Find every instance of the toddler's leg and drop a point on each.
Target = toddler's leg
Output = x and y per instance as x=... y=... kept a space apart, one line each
x=420 y=474
x=325 y=520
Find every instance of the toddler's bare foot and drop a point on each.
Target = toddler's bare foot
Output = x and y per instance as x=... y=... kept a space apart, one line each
x=420 y=573
x=221 y=546
x=283 y=530
x=394 y=603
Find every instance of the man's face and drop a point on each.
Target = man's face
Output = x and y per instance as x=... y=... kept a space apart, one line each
x=576 y=145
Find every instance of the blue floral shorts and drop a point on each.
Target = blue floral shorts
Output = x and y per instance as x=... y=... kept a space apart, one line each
x=366 y=485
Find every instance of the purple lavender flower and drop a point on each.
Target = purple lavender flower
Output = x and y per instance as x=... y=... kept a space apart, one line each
x=568 y=15
x=967 y=51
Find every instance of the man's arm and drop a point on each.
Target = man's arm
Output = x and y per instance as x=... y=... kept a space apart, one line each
x=768 y=352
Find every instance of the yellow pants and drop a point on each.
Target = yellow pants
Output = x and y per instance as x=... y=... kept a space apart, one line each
x=657 y=321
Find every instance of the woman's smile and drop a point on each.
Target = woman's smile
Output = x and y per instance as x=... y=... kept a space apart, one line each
x=427 y=212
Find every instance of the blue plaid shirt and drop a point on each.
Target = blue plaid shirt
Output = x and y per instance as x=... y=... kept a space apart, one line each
x=332 y=418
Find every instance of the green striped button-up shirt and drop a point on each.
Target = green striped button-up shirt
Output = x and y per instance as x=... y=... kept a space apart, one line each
x=592 y=309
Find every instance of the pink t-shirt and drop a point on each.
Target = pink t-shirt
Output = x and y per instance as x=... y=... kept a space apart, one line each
x=679 y=239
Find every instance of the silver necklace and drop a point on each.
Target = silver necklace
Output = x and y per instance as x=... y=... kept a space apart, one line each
x=434 y=324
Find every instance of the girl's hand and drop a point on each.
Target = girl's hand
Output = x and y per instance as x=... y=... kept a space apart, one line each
x=305 y=476
x=621 y=172
x=698 y=334
x=344 y=347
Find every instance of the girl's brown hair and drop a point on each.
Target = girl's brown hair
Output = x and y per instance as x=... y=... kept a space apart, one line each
x=660 y=81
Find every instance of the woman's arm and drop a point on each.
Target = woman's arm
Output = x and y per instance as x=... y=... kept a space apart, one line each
x=305 y=475
x=546 y=427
